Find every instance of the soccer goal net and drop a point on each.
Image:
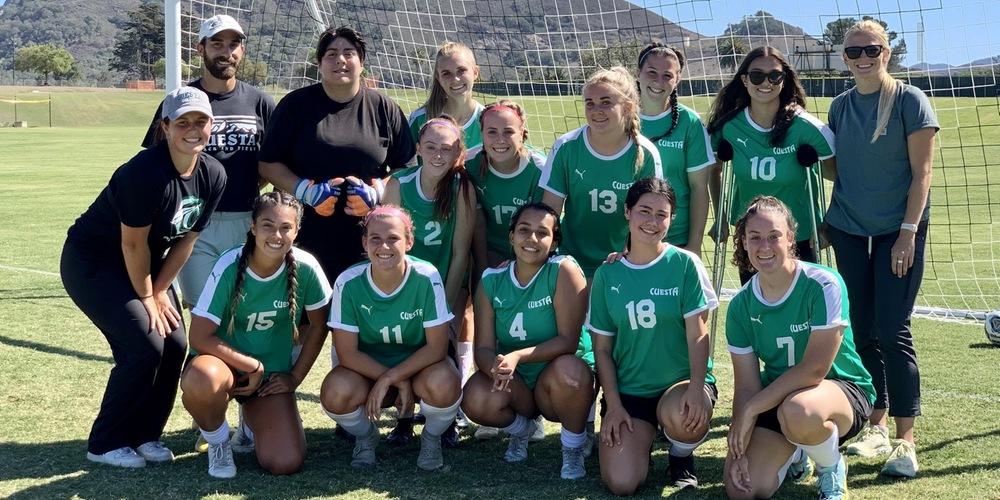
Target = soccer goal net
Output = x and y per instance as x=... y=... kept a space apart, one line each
x=539 y=52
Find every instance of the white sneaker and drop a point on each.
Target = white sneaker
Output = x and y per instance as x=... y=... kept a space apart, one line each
x=484 y=433
x=871 y=442
x=241 y=442
x=461 y=421
x=539 y=433
x=220 y=461
x=155 y=451
x=902 y=461
x=122 y=457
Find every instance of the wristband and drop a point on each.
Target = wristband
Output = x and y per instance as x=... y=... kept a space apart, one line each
x=909 y=227
x=260 y=367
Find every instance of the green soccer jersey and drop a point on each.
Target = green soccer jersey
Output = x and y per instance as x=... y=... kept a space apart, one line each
x=390 y=326
x=501 y=194
x=432 y=236
x=262 y=326
x=644 y=308
x=777 y=332
x=687 y=149
x=473 y=134
x=524 y=316
x=762 y=169
x=594 y=188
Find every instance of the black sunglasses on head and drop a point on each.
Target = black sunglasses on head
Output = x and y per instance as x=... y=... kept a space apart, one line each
x=757 y=77
x=872 y=51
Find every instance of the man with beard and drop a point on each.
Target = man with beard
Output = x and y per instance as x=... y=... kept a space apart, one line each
x=241 y=114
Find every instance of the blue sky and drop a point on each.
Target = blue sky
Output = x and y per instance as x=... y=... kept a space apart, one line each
x=954 y=31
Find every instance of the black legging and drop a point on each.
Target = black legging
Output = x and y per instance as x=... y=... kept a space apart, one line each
x=142 y=385
x=881 y=304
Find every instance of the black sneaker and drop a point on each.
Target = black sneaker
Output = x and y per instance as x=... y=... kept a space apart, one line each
x=342 y=434
x=681 y=472
x=449 y=439
x=402 y=434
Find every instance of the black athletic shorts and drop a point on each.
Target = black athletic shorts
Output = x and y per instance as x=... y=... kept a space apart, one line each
x=644 y=408
x=860 y=406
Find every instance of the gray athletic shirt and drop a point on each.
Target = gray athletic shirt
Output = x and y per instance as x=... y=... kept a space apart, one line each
x=869 y=195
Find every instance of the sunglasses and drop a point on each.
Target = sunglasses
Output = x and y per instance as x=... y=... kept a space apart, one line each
x=757 y=77
x=872 y=51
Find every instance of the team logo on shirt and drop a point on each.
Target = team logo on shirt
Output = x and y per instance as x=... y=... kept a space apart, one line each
x=187 y=214
x=367 y=308
x=417 y=313
x=663 y=143
x=742 y=141
x=542 y=302
x=499 y=301
x=785 y=150
x=617 y=289
x=280 y=304
x=801 y=327
x=756 y=320
x=580 y=173
x=665 y=292
x=624 y=186
x=232 y=133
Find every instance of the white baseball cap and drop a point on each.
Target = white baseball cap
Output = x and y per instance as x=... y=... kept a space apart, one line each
x=218 y=23
x=184 y=100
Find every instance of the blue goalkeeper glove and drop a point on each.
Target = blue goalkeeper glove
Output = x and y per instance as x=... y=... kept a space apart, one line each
x=322 y=196
x=362 y=198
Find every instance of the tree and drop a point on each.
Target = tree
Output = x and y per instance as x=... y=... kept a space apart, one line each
x=761 y=23
x=731 y=52
x=45 y=60
x=252 y=71
x=139 y=44
x=160 y=68
x=835 y=30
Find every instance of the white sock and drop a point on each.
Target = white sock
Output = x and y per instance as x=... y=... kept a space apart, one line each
x=465 y=360
x=355 y=422
x=517 y=428
x=334 y=359
x=438 y=419
x=218 y=436
x=571 y=439
x=679 y=449
x=825 y=454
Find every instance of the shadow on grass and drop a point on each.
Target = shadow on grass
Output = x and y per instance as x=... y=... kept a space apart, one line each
x=38 y=346
x=984 y=345
x=871 y=473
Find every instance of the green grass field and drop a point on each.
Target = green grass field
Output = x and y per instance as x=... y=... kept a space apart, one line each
x=54 y=363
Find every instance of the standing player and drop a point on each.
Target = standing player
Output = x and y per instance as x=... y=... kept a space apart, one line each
x=245 y=328
x=442 y=202
x=118 y=265
x=685 y=148
x=813 y=392
x=506 y=173
x=651 y=345
x=241 y=112
x=390 y=325
x=528 y=318
x=591 y=168
x=761 y=115
x=455 y=73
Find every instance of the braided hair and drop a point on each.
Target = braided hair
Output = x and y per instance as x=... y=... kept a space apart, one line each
x=658 y=49
x=263 y=202
x=621 y=81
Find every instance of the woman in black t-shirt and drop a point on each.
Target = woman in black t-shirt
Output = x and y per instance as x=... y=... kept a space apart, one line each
x=119 y=261
x=330 y=144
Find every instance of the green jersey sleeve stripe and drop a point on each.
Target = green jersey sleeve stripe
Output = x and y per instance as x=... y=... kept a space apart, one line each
x=346 y=328
x=546 y=178
x=824 y=130
x=742 y=351
x=440 y=321
x=427 y=270
x=207 y=315
x=708 y=147
x=309 y=260
x=832 y=295
x=711 y=300
x=651 y=150
x=598 y=331
x=229 y=258
x=337 y=299
x=416 y=114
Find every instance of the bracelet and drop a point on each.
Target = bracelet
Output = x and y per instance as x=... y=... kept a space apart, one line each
x=909 y=227
x=144 y=297
x=260 y=367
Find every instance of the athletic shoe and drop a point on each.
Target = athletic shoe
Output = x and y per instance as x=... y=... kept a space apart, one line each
x=485 y=432
x=364 y=449
x=681 y=472
x=220 y=461
x=517 y=447
x=833 y=481
x=902 y=461
x=122 y=457
x=539 y=433
x=402 y=434
x=200 y=445
x=450 y=437
x=572 y=462
x=155 y=451
x=801 y=470
x=871 y=442
x=430 y=457
x=241 y=442
x=461 y=421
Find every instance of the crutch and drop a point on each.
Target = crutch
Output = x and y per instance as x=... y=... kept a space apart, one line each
x=724 y=154
x=809 y=159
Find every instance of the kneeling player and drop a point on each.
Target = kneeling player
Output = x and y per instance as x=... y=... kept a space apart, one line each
x=528 y=318
x=813 y=393
x=244 y=329
x=651 y=345
x=390 y=325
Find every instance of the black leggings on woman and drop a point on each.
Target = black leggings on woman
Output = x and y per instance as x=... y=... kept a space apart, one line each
x=142 y=385
x=881 y=304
